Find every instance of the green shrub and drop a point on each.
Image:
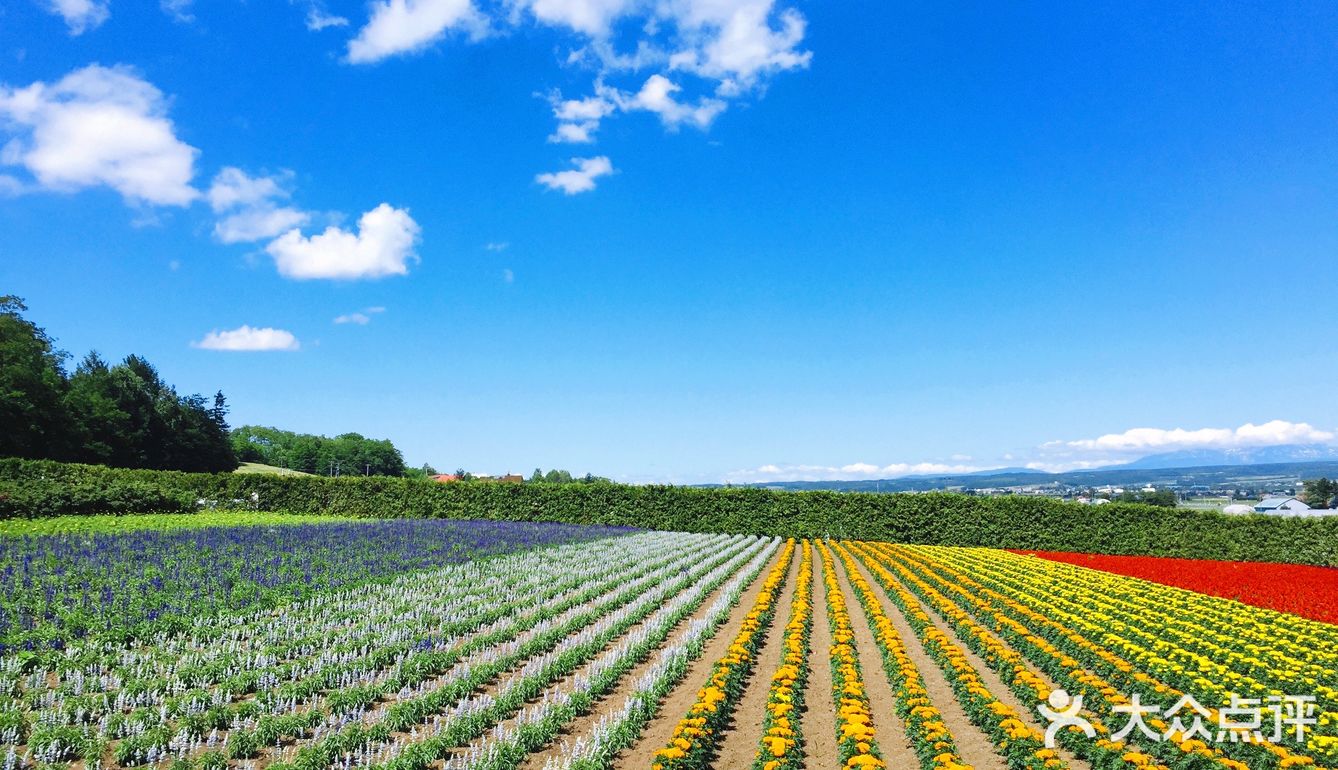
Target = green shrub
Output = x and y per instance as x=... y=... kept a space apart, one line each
x=50 y=489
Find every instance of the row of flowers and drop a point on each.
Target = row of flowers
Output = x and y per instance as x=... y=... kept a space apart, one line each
x=469 y=713
x=929 y=735
x=1267 y=650
x=1062 y=644
x=696 y=735
x=506 y=746
x=417 y=689
x=856 y=747
x=615 y=730
x=782 y=741
x=1029 y=685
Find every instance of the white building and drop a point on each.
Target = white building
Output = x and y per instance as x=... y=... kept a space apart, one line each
x=1281 y=505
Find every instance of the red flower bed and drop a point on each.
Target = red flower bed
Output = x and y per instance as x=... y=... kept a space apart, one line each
x=1311 y=592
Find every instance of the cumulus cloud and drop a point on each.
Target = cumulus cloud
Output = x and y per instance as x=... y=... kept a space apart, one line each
x=383 y=246
x=80 y=15
x=721 y=49
x=249 y=207
x=657 y=96
x=98 y=126
x=580 y=179
x=578 y=119
x=1271 y=433
x=403 y=26
x=248 y=338
x=738 y=41
x=361 y=317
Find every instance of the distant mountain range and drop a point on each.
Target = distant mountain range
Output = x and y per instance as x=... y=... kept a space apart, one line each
x=1256 y=468
x=1197 y=458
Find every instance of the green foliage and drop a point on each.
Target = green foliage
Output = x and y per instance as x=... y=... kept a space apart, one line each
x=122 y=415
x=102 y=524
x=349 y=454
x=943 y=518
x=1165 y=498
x=1320 y=493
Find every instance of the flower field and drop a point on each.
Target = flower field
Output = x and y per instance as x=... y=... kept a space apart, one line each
x=1300 y=589
x=587 y=648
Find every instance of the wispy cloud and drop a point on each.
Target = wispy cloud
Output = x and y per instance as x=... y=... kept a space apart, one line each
x=250 y=206
x=496 y=246
x=248 y=338
x=1060 y=456
x=361 y=317
x=80 y=15
x=580 y=179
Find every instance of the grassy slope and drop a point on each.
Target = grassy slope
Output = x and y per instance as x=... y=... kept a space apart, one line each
x=98 y=524
x=262 y=468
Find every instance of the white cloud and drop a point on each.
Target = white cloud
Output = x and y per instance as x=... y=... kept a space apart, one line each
x=496 y=246
x=80 y=15
x=179 y=10
x=361 y=317
x=1271 y=433
x=248 y=338
x=578 y=119
x=852 y=471
x=404 y=26
x=737 y=41
x=592 y=17
x=98 y=126
x=508 y=276
x=383 y=246
x=318 y=19
x=580 y=179
x=657 y=96
x=251 y=208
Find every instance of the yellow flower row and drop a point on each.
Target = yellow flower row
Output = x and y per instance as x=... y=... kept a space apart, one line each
x=854 y=718
x=1041 y=627
x=695 y=734
x=780 y=747
x=1030 y=685
x=1155 y=668
x=1286 y=651
x=924 y=723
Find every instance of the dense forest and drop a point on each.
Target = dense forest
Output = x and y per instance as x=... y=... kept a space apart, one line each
x=123 y=414
x=349 y=454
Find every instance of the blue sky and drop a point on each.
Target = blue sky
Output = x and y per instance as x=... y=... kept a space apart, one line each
x=692 y=240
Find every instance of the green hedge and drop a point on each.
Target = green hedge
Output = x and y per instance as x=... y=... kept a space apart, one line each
x=40 y=488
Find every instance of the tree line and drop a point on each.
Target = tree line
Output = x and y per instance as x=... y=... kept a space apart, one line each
x=123 y=414
x=349 y=454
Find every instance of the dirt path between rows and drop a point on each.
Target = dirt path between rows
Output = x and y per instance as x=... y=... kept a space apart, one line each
x=614 y=700
x=684 y=694
x=818 y=722
x=973 y=744
x=889 y=728
x=995 y=684
x=739 y=742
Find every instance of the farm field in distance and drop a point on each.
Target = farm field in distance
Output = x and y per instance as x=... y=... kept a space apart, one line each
x=417 y=644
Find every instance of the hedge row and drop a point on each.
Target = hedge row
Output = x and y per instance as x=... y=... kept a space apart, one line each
x=31 y=488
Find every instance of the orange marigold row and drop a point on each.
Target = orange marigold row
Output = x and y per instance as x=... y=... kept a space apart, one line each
x=695 y=734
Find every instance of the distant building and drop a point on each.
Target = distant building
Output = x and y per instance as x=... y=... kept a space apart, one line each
x=1237 y=509
x=444 y=478
x=510 y=478
x=1282 y=505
